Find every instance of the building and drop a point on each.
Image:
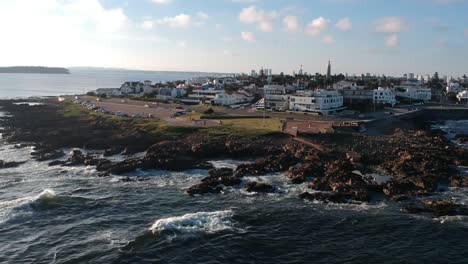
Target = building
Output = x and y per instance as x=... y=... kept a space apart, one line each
x=454 y=87
x=344 y=85
x=168 y=93
x=384 y=96
x=131 y=88
x=462 y=97
x=323 y=102
x=356 y=95
x=329 y=71
x=108 y=92
x=232 y=98
x=276 y=98
x=413 y=91
x=206 y=95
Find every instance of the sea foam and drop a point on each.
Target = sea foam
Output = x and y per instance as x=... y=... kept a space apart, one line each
x=206 y=222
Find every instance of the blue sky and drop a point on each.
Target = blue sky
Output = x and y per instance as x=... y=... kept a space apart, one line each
x=376 y=36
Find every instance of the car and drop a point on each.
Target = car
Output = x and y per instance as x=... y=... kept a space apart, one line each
x=150 y=116
x=147 y=106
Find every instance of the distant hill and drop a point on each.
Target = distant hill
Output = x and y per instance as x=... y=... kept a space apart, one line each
x=31 y=69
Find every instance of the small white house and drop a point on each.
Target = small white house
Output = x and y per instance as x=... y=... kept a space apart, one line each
x=344 y=85
x=232 y=98
x=384 y=96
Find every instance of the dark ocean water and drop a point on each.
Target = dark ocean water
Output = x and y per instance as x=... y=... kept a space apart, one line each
x=69 y=215
x=79 y=81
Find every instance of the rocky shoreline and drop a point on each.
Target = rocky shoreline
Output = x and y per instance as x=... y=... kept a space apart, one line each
x=420 y=162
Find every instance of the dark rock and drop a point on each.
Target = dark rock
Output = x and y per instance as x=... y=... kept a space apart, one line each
x=12 y=164
x=47 y=154
x=298 y=174
x=222 y=172
x=57 y=163
x=112 y=152
x=275 y=163
x=437 y=208
x=76 y=158
x=259 y=187
x=204 y=188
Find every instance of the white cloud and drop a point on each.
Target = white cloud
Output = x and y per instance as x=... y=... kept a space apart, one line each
x=391 y=25
x=344 y=24
x=264 y=20
x=179 y=21
x=162 y=2
x=248 y=36
x=147 y=24
x=291 y=24
x=329 y=40
x=392 y=40
x=317 y=26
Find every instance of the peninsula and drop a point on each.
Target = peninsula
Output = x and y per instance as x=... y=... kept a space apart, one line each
x=34 y=69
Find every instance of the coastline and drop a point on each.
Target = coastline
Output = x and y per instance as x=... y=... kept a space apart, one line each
x=419 y=160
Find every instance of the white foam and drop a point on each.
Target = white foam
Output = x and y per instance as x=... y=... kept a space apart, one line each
x=206 y=222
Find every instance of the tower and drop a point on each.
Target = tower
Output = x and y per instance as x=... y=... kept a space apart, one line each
x=329 y=71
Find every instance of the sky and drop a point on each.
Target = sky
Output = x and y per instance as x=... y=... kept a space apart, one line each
x=389 y=37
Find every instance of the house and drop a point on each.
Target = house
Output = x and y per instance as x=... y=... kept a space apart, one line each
x=132 y=88
x=203 y=95
x=454 y=87
x=170 y=93
x=276 y=98
x=413 y=91
x=462 y=97
x=323 y=102
x=108 y=92
x=384 y=96
x=232 y=98
x=343 y=85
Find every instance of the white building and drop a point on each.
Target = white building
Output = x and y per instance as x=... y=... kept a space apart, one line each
x=276 y=98
x=454 y=87
x=462 y=96
x=197 y=81
x=232 y=98
x=413 y=92
x=384 y=96
x=324 y=102
x=203 y=95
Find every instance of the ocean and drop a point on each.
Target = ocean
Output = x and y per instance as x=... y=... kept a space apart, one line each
x=71 y=215
x=81 y=80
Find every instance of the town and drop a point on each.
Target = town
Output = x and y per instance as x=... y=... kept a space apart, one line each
x=342 y=100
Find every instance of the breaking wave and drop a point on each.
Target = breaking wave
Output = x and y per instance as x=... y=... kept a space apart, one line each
x=206 y=222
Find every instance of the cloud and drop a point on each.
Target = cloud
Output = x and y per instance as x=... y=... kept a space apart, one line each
x=391 y=25
x=179 y=21
x=248 y=36
x=317 y=26
x=181 y=44
x=291 y=24
x=264 y=20
x=392 y=40
x=329 y=40
x=147 y=24
x=162 y=2
x=344 y=24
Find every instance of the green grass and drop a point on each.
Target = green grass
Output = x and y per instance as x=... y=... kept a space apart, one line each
x=232 y=127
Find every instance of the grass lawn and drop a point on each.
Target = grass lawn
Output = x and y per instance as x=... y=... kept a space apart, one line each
x=236 y=127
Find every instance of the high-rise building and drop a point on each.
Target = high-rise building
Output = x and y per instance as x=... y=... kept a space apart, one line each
x=329 y=70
